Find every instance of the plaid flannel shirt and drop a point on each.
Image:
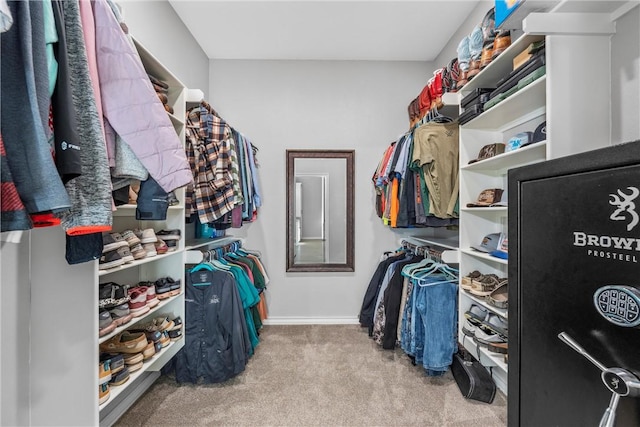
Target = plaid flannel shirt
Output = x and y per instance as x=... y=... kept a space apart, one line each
x=209 y=151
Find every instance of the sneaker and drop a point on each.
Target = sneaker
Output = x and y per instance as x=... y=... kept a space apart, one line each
x=161 y=247
x=175 y=334
x=172 y=199
x=172 y=245
x=476 y=314
x=177 y=323
x=120 y=378
x=136 y=366
x=125 y=254
x=484 y=337
x=150 y=295
x=121 y=314
x=169 y=234
x=104 y=372
x=175 y=286
x=132 y=359
x=149 y=351
x=165 y=340
x=148 y=236
x=105 y=323
x=115 y=360
x=112 y=241
x=130 y=237
x=158 y=346
x=138 y=251
x=138 y=302
x=163 y=323
x=110 y=259
x=150 y=249
x=103 y=393
x=163 y=289
x=125 y=342
x=111 y=295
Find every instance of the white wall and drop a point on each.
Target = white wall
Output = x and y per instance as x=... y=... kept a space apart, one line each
x=282 y=105
x=625 y=78
x=157 y=26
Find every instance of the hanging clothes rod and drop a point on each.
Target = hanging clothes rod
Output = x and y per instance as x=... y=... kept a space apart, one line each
x=439 y=252
x=196 y=256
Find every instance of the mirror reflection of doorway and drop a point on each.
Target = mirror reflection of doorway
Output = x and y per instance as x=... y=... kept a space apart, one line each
x=311 y=212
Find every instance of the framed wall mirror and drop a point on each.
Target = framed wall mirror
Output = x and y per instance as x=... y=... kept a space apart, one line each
x=320 y=210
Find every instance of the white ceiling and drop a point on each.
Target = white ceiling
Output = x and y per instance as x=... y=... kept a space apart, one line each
x=323 y=30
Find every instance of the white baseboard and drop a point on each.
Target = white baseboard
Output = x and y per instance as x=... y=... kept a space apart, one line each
x=286 y=320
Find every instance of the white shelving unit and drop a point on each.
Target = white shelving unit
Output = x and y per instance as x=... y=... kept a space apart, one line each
x=64 y=307
x=522 y=111
x=556 y=98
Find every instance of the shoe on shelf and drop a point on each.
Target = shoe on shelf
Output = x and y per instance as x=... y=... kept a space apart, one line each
x=165 y=340
x=499 y=347
x=111 y=294
x=158 y=346
x=484 y=285
x=169 y=234
x=136 y=366
x=148 y=236
x=161 y=247
x=105 y=323
x=150 y=249
x=104 y=372
x=172 y=199
x=125 y=254
x=175 y=334
x=163 y=289
x=120 y=378
x=468 y=328
x=130 y=237
x=484 y=337
x=103 y=393
x=163 y=323
x=112 y=241
x=168 y=287
x=465 y=282
x=115 y=361
x=499 y=297
x=121 y=314
x=172 y=245
x=177 y=323
x=138 y=251
x=110 y=259
x=495 y=324
x=152 y=299
x=149 y=351
x=138 y=302
x=125 y=342
x=132 y=359
x=476 y=314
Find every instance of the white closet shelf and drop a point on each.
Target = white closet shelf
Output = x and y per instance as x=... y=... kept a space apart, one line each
x=129 y=209
x=501 y=66
x=139 y=320
x=444 y=242
x=524 y=105
x=499 y=164
x=482 y=255
x=502 y=312
x=199 y=243
x=487 y=209
x=139 y=262
x=155 y=364
x=175 y=120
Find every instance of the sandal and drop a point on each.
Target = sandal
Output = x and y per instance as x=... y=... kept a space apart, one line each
x=465 y=282
x=484 y=285
x=499 y=297
x=495 y=324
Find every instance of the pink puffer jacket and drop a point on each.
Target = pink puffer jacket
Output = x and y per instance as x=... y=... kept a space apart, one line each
x=132 y=107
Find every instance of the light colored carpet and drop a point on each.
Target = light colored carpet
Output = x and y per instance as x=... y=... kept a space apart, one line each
x=318 y=375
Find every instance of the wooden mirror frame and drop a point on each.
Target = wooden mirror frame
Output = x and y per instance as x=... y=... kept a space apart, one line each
x=348 y=155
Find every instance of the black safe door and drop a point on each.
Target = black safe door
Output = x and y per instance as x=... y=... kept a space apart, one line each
x=579 y=275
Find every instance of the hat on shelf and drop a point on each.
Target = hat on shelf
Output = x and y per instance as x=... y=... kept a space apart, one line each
x=489 y=151
x=519 y=140
x=540 y=134
x=489 y=243
x=503 y=248
x=488 y=197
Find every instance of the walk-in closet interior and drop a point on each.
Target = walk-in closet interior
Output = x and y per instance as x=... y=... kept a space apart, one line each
x=190 y=188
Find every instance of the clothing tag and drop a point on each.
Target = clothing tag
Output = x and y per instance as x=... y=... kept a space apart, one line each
x=201 y=278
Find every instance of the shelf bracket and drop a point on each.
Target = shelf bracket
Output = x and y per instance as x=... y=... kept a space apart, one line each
x=568 y=24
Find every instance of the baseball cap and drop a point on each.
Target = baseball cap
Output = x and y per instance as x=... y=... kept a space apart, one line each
x=540 y=134
x=489 y=243
x=503 y=248
x=519 y=140
x=489 y=151
x=488 y=197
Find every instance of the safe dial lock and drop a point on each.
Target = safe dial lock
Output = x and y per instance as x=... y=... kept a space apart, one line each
x=619 y=381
